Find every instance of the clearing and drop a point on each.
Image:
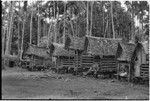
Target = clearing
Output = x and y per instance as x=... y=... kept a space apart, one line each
x=22 y=84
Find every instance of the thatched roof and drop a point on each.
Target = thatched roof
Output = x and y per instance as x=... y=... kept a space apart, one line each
x=102 y=46
x=127 y=51
x=43 y=41
x=145 y=45
x=60 y=51
x=77 y=43
x=140 y=46
x=38 y=51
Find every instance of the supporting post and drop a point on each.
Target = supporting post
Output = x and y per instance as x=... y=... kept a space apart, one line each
x=129 y=77
x=118 y=68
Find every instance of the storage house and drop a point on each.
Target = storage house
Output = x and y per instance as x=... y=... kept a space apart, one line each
x=104 y=51
x=64 y=58
x=125 y=64
x=141 y=60
x=36 y=56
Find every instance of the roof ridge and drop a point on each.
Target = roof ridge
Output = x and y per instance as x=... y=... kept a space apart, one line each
x=103 y=38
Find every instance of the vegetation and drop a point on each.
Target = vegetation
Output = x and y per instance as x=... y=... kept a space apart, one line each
x=24 y=22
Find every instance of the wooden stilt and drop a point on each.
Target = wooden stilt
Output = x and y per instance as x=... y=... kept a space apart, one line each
x=118 y=68
x=129 y=77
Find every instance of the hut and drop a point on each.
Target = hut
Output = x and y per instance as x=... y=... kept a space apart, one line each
x=104 y=52
x=36 y=56
x=140 y=59
x=63 y=57
x=35 y=52
x=124 y=57
x=79 y=46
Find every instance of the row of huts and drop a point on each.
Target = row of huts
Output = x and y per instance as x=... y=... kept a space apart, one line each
x=111 y=55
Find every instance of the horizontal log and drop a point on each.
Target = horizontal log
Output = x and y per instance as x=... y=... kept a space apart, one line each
x=108 y=61
x=144 y=72
x=108 y=64
x=86 y=63
x=144 y=69
x=145 y=65
x=108 y=67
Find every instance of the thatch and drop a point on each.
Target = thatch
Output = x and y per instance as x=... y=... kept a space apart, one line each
x=37 y=51
x=77 y=43
x=127 y=51
x=140 y=47
x=145 y=45
x=60 y=51
x=102 y=46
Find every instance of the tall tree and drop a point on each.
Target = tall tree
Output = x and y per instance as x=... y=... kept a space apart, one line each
x=31 y=20
x=23 y=30
x=38 y=26
x=91 y=17
x=112 y=19
x=9 y=37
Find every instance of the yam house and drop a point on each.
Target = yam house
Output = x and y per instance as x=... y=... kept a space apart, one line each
x=104 y=52
x=141 y=60
x=37 y=55
x=125 y=53
x=63 y=57
x=78 y=45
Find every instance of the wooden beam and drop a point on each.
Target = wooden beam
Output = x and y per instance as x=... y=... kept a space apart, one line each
x=129 y=77
x=103 y=38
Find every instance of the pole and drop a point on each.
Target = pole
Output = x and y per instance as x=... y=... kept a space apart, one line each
x=38 y=27
x=87 y=18
x=91 y=17
x=112 y=20
x=64 y=23
x=9 y=38
x=31 y=27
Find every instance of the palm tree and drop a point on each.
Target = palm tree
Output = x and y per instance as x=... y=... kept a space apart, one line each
x=8 y=44
x=87 y=18
x=22 y=40
x=112 y=19
x=31 y=20
x=91 y=17
x=38 y=27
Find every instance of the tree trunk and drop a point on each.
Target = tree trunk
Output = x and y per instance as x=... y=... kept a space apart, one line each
x=22 y=39
x=31 y=27
x=18 y=38
x=132 y=29
x=112 y=20
x=106 y=28
x=91 y=17
x=72 y=27
x=19 y=33
x=55 y=33
x=38 y=29
x=87 y=18
x=3 y=42
x=64 y=24
x=24 y=22
x=9 y=37
x=103 y=25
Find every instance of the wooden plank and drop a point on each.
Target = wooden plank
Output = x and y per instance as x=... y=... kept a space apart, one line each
x=143 y=69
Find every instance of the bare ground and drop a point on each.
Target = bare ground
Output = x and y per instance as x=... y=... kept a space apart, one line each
x=21 y=84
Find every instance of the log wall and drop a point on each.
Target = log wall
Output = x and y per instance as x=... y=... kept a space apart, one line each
x=144 y=70
x=108 y=65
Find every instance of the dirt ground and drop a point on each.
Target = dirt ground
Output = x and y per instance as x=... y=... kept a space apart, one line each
x=22 y=84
